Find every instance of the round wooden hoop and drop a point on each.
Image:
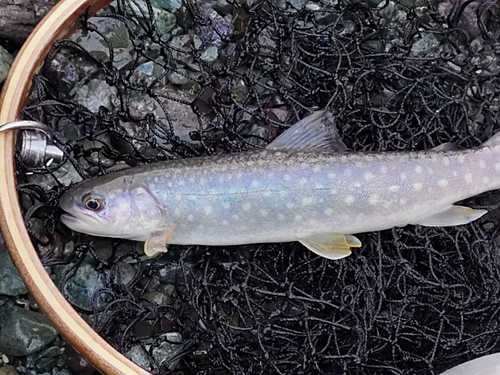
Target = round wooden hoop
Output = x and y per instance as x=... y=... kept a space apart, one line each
x=61 y=21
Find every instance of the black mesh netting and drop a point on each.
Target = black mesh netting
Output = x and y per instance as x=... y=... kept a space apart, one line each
x=412 y=300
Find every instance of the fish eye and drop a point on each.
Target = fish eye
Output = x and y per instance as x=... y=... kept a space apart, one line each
x=92 y=203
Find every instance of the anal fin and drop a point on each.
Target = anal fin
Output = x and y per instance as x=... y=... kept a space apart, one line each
x=331 y=245
x=157 y=242
x=454 y=215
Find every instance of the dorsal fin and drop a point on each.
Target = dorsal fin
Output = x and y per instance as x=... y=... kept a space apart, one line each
x=314 y=132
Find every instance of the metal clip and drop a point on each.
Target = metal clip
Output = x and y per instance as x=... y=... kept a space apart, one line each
x=36 y=144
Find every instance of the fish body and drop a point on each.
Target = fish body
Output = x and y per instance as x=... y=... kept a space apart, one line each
x=297 y=189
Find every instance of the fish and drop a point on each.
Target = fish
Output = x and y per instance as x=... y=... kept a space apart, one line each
x=305 y=186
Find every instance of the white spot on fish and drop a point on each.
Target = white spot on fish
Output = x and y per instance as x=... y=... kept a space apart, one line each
x=384 y=169
x=226 y=205
x=289 y=205
x=417 y=186
x=497 y=167
x=247 y=206
x=225 y=223
x=281 y=216
x=349 y=199
x=298 y=217
x=239 y=175
x=461 y=159
x=331 y=176
x=203 y=180
x=317 y=185
x=178 y=197
x=486 y=180
x=208 y=210
x=264 y=212
x=287 y=177
x=177 y=212
x=316 y=169
x=402 y=201
x=328 y=212
x=357 y=184
x=303 y=181
x=267 y=193
x=182 y=183
x=138 y=191
x=418 y=169
x=255 y=183
x=402 y=175
x=446 y=161
x=190 y=218
x=307 y=201
x=368 y=176
x=394 y=188
x=482 y=164
x=443 y=183
x=270 y=174
x=373 y=200
x=468 y=178
x=235 y=217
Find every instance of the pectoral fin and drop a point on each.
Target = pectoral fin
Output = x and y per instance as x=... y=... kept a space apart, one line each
x=157 y=242
x=331 y=245
x=454 y=215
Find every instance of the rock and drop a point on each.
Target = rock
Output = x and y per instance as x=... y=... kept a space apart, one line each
x=6 y=60
x=18 y=18
x=178 y=76
x=8 y=370
x=424 y=46
x=80 y=288
x=164 y=20
x=138 y=355
x=168 y=349
x=170 y=5
x=117 y=34
x=146 y=74
x=210 y=54
x=11 y=283
x=24 y=332
x=94 y=94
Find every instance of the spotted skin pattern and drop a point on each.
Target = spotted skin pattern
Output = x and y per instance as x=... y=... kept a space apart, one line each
x=281 y=195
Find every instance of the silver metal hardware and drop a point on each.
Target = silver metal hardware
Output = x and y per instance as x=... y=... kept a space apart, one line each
x=35 y=144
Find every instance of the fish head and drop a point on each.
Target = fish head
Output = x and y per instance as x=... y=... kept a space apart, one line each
x=109 y=211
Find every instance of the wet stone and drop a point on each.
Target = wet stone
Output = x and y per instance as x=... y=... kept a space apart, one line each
x=11 y=283
x=65 y=175
x=117 y=34
x=24 y=332
x=168 y=349
x=138 y=355
x=147 y=74
x=47 y=359
x=80 y=288
x=95 y=94
x=170 y=5
x=6 y=60
x=164 y=20
x=125 y=273
x=210 y=54
x=424 y=46
x=8 y=370
x=178 y=76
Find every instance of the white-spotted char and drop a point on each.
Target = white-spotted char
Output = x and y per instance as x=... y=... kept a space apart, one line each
x=303 y=187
